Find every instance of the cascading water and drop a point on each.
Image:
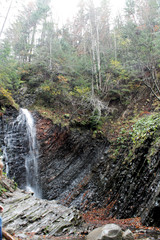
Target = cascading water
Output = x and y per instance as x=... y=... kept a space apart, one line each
x=31 y=161
x=21 y=152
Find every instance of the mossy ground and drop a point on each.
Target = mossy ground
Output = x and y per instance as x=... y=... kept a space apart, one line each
x=58 y=116
x=140 y=128
x=6 y=99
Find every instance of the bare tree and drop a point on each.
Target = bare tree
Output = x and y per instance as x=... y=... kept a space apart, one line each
x=6 y=17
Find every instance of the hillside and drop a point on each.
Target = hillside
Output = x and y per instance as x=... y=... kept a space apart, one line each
x=79 y=108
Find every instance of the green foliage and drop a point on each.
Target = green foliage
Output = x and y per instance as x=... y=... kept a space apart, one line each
x=46 y=230
x=94 y=120
x=145 y=128
x=6 y=98
x=119 y=83
x=4 y=51
x=34 y=75
x=2 y=190
x=121 y=143
x=83 y=56
x=80 y=92
x=144 y=134
x=48 y=92
x=130 y=8
x=119 y=71
x=9 y=75
x=15 y=185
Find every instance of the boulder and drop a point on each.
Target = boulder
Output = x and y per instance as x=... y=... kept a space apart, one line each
x=128 y=235
x=107 y=232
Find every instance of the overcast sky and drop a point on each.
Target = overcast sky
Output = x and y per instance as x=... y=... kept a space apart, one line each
x=67 y=8
x=63 y=9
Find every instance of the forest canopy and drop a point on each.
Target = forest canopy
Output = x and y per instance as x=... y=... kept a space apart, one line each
x=89 y=57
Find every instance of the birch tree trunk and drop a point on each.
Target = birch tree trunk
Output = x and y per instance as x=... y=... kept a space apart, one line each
x=98 y=57
x=32 y=42
x=115 y=47
x=50 y=53
x=93 y=44
x=94 y=60
x=5 y=20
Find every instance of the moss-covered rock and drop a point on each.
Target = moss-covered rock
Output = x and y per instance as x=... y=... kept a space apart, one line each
x=6 y=99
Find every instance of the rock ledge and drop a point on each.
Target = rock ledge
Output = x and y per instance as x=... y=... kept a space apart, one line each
x=23 y=212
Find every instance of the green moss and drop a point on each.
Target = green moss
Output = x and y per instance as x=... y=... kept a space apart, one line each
x=67 y=115
x=7 y=99
x=145 y=127
x=141 y=138
x=58 y=117
x=2 y=190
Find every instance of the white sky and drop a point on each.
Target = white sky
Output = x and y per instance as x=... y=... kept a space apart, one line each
x=67 y=8
x=63 y=9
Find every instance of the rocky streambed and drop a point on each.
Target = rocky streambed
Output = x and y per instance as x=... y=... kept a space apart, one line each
x=27 y=217
x=27 y=214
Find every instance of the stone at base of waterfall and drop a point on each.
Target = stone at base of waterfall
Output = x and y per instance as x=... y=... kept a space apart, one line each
x=110 y=232
x=128 y=235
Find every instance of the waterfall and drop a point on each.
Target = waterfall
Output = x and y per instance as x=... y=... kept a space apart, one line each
x=31 y=161
x=21 y=152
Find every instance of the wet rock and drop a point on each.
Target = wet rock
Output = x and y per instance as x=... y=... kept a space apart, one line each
x=25 y=213
x=68 y=163
x=110 y=232
x=128 y=235
x=8 y=185
x=151 y=212
x=75 y=169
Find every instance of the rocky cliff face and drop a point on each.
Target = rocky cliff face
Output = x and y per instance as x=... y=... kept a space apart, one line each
x=15 y=146
x=67 y=162
x=75 y=169
x=131 y=188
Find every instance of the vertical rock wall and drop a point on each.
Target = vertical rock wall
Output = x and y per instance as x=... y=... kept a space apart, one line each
x=67 y=160
x=15 y=146
x=75 y=169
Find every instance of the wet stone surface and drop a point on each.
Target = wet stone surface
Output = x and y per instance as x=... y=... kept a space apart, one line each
x=75 y=169
x=25 y=213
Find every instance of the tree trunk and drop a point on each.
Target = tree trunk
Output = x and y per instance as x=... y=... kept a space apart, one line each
x=115 y=47
x=93 y=49
x=98 y=58
x=10 y=5
x=50 y=53
x=32 y=42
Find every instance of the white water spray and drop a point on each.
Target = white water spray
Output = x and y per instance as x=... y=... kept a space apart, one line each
x=31 y=161
x=21 y=138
